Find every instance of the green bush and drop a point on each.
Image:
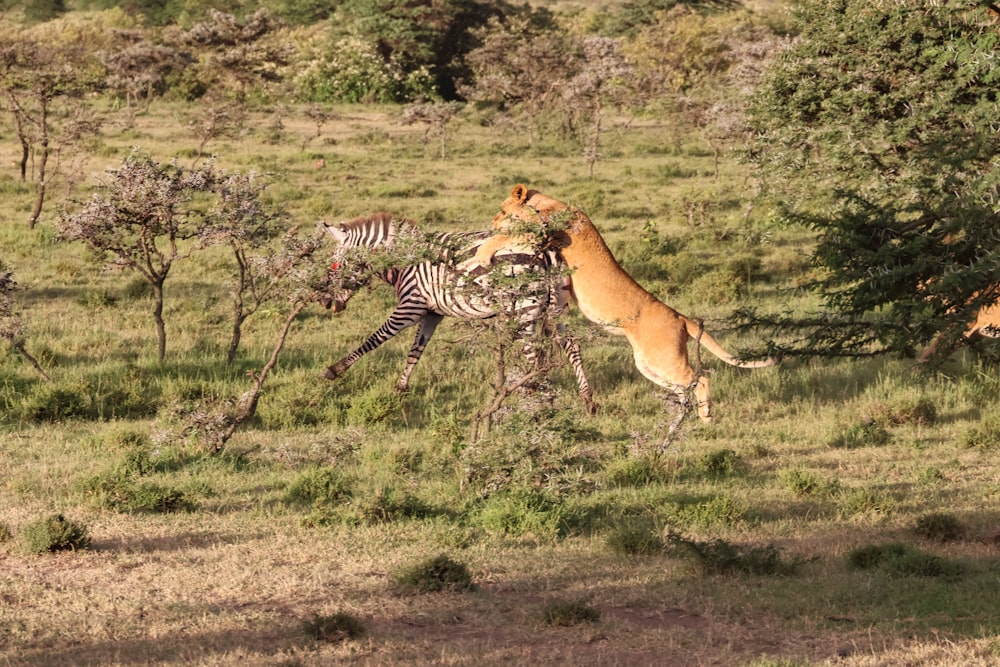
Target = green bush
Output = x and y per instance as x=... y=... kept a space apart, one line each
x=319 y=486
x=353 y=71
x=939 y=527
x=801 y=483
x=518 y=512
x=372 y=407
x=54 y=533
x=985 y=436
x=635 y=537
x=52 y=402
x=435 y=574
x=722 y=557
x=119 y=493
x=335 y=628
x=563 y=614
x=718 y=463
x=864 y=502
x=715 y=511
x=901 y=560
x=868 y=433
x=641 y=471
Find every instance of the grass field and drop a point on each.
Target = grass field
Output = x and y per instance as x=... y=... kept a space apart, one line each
x=835 y=511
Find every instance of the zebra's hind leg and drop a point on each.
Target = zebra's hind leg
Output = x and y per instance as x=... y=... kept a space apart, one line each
x=425 y=330
x=571 y=346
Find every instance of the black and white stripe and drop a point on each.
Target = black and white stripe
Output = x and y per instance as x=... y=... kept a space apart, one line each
x=526 y=289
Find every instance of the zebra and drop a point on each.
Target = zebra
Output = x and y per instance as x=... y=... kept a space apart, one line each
x=429 y=288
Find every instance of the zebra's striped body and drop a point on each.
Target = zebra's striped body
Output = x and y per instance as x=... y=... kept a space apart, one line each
x=430 y=289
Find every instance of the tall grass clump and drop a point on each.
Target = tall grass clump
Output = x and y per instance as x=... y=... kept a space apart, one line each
x=54 y=533
x=334 y=628
x=723 y=557
x=939 y=527
x=867 y=433
x=565 y=614
x=897 y=559
x=635 y=536
x=439 y=573
x=985 y=436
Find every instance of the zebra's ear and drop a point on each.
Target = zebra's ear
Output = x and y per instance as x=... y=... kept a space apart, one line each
x=338 y=232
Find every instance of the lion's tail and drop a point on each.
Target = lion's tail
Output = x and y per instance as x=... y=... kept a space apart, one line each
x=696 y=331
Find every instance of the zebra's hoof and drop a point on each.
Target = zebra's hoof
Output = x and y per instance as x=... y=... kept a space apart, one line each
x=330 y=374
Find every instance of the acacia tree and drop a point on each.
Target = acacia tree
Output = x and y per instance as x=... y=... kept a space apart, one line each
x=140 y=222
x=242 y=221
x=11 y=324
x=520 y=65
x=298 y=270
x=242 y=54
x=34 y=77
x=139 y=67
x=878 y=129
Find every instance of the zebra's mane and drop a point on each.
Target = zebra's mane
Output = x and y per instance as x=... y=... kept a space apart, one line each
x=383 y=219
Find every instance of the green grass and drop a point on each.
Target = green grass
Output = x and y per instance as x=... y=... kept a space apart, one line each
x=333 y=489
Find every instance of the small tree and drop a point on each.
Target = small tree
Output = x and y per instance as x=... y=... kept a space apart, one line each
x=34 y=77
x=139 y=68
x=141 y=221
x=242 y=221
x=11 y=324
x=878 y=129
x=240 y=52
x=298 y=272
x=520 y=66
x=604 y=77
x=435 y=115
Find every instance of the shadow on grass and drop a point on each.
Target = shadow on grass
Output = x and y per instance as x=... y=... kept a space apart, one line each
x=194 y=648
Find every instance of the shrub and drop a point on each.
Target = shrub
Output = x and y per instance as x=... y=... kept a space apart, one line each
x=119 y=493
x=901 y=560
x=719 y=463
x=868 y=433
x=435 y=574
x=638 y=471
x=861 y=502
x=385 y=502
x=714 y=511
x=801 y=483
x=569 y=613
x=939 y=527
x=322 y=486
x=52 y=402
x=372 y=407
x=722 y=557
x=520 y=511
x=337 y=627
x=985 y=436
x=635 y=537
x=54 y=533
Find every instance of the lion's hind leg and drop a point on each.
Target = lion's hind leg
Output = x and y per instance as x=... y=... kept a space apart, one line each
x=680 y=382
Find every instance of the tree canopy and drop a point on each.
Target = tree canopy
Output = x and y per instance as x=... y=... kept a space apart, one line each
x=878 y=128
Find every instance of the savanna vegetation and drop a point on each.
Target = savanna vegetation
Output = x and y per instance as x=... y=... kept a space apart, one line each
x=179 y=486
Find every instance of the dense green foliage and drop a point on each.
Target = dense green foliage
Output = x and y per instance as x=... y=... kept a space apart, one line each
x=877 y=128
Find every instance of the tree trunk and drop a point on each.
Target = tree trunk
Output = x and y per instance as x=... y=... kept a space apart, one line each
x=161 y=328
x=42 y=161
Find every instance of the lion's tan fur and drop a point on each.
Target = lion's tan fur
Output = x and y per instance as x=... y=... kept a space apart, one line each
x=987 y=318
x=607 y=295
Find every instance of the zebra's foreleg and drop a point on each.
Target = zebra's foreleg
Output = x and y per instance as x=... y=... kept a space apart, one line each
x=398 y=320
x=426 y=329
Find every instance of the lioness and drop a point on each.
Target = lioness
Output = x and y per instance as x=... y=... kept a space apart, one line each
x=609 y=296
x=986 y=325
